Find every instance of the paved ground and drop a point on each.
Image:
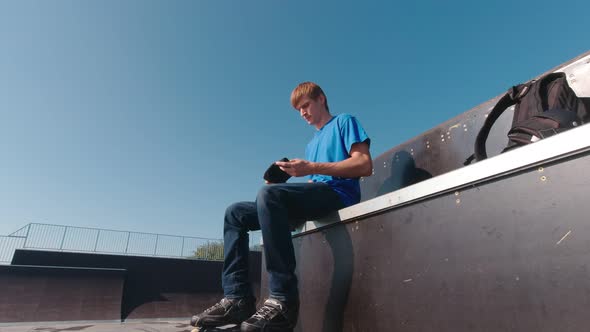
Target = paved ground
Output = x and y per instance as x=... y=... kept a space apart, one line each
x=144 y=326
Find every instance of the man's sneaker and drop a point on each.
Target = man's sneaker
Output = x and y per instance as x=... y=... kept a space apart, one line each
x=226 y=311
x=274 y=315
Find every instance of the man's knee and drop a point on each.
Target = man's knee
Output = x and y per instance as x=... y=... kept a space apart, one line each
x=235 y=212
x=267 y=193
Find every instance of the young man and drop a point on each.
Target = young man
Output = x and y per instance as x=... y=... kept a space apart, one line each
x=336 y=157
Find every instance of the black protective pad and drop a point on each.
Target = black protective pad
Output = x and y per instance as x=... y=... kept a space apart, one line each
x=274 y=174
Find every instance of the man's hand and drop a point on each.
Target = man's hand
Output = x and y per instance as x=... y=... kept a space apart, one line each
x=296 y=167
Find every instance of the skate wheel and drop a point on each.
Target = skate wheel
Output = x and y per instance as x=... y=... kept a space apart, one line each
x=196 y=329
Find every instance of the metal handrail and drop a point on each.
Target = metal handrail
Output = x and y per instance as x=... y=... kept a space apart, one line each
x=96 y=240
x=105 y=229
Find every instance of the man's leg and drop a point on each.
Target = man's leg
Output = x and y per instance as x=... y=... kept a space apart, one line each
x=277 y=205
x=238 y=303
x=239 y=219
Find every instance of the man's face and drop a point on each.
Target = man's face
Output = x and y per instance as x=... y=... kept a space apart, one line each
x=311 y=110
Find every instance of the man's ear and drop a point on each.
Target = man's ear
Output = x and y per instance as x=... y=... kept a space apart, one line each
x=322 y=100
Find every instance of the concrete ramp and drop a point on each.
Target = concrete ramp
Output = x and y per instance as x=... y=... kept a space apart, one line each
x=154 y=287
x=44 y=293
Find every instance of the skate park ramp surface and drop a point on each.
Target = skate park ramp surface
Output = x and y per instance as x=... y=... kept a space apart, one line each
x=154 y=288
x=45 y=293
x=90 y=326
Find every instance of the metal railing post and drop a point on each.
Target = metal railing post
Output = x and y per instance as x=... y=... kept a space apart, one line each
x=156 y=246
x=182 y=249
x=96 y=242
x=27 y=236
x=208 y=249
x=127 y=246
x=63 y=237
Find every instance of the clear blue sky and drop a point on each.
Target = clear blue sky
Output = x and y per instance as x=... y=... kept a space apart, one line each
x=155 y=115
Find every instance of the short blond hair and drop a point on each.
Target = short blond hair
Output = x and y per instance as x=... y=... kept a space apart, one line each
x=307 y=89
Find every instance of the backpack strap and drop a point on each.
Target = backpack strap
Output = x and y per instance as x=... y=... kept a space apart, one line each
x=506 y=101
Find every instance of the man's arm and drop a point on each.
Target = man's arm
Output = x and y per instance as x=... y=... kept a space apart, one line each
x=358 y=164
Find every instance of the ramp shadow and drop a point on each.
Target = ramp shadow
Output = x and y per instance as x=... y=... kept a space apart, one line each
x=403 y=173
x=343 y=256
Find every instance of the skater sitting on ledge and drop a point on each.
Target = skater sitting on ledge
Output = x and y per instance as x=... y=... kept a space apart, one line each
x=337 y=156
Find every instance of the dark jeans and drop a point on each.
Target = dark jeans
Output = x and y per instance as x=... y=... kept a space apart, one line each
x=277 y=206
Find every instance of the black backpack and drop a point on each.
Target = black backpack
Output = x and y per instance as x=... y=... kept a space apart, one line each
x=544 y=107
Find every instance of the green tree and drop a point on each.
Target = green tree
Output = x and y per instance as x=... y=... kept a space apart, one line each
x=212 y=250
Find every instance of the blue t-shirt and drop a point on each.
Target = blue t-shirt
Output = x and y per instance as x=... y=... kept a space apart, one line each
x=332 y=143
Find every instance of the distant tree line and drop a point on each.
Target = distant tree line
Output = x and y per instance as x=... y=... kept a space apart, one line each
x=214 y=250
